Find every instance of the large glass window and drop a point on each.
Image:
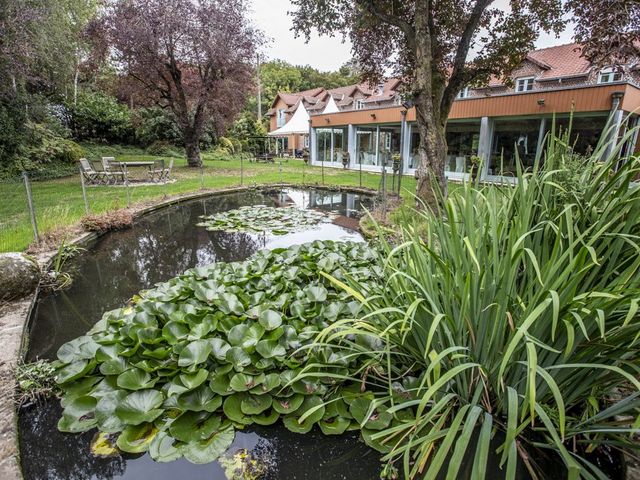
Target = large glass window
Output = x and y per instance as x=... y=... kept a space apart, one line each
x=366 y=145
x=463 y=139
x=414 y=155
x=340 y=147
x=389 y=144
x=323 y=139
x=585 y=131
x=513 y=140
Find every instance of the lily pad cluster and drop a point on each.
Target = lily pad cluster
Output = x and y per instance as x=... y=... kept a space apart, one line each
x=221 y=347
x=260 y=219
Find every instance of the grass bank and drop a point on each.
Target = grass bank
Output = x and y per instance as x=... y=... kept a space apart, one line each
x=59 y=204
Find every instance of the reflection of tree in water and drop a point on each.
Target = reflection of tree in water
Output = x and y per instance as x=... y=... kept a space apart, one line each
x=49 y=454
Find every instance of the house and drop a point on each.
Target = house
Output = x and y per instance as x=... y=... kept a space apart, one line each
x=364 y=126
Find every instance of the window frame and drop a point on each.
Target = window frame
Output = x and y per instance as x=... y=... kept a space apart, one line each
x=358 y=104
x=525 y=82
x=609 y=72
x=464 y=93
x=281 y=115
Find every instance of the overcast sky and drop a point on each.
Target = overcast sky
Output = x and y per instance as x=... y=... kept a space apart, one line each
x=324 y=53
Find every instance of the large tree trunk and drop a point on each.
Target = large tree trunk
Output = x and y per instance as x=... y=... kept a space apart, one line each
x=432 y=183
x=192 y=148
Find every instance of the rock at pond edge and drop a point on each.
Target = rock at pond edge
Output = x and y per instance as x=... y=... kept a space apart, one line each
x=19 y=276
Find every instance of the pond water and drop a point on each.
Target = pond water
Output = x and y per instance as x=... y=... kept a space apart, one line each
x=158 y=247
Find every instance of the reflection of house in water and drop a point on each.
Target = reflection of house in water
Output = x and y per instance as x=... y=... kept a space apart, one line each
x=342 y=203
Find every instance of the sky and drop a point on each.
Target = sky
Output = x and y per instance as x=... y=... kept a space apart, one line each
x=324 y=53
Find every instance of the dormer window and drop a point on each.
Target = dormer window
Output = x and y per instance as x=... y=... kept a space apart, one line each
x=380 y=88
x=524 y=84
x=464 y=93
x=281 y=118
x=609 y=75
x=359 y=104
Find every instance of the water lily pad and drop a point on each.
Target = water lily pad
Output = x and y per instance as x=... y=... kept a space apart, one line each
x=220 y=384
x=163 y=448
x=241 y=382
x=199 y=400
x=78 y=415
x=268 y=418
x=238 y=357
x=371 y=418
x=140 y=407
x=136 y=438
x=270 y=349
x=270 y=319
x=103 y=445
x=232 y=409
x=194 y=426
x=208 y=450
x=193 y=380
x=313 y=408
x=194 y=353
x=255 y=404
x=334 y=425
x=288 y=405
x=136 y=379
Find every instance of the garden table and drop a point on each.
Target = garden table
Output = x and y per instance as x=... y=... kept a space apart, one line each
x=136 y=164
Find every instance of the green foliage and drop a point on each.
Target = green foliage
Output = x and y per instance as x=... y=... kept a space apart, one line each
x=218 y=347
x=155 y=124
x=245 y=129
x=163 y=148
x=512 y=317
x=260 y=219
x=99 y=117
x=35 y=381
x=225 y=145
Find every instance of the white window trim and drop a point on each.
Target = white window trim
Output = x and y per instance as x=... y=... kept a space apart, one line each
x=524 y=81
x=281 y=117
x=358 y=104
x=464 y=93
x=610 y=74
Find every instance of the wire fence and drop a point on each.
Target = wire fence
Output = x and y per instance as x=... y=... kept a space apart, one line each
x=35 y=208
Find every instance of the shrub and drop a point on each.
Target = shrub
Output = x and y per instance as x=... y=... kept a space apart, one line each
x=163 y=148
x=100 y=117
x=154 y=124
x=113 y=220
x=508 y=324
x=226 y=145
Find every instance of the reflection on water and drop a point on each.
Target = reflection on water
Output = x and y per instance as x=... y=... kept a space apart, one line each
x=120 y=264
x=52 y=455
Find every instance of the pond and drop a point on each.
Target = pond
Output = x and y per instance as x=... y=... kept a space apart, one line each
x=159 y=246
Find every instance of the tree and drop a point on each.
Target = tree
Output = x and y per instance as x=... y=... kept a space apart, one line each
x=439 y=47
x=190 y=56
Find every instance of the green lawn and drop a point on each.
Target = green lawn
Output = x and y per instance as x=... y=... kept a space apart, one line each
x=58 y=203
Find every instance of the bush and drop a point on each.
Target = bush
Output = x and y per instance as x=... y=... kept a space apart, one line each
x=156 y=125
x=508 y=326
x=225 y=144
x=100 y=117
x=162 y=148
x=113 y=220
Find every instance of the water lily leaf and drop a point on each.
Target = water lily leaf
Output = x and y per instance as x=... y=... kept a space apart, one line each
x=334 y=425
x=105 y=412
x=232 y=409
x=268 y=418
x=270 y=319
x=163 y=448
x=103 y=445
x=255 y=404
x=210 y=449
x=270 y=349
x=238 y=357
x=73 y=371
x=136 y=438
x=287 y=405
x=78 y=415
x=252 y=336
x=220 y=384
x=193 y=380
x=175 y=331
x=200 y=399
x=241 y=382
x=237 y=334
x=375 y=444
x=229 y=303
x=377 y=419
x=136 y=379
x=194 y=426
x=140 y=407
x=271 y=381
x=219 y=348
x=316 y=293
x=194 y=353
x=81 y=348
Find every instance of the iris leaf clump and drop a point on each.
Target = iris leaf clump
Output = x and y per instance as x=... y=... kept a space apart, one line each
x=261 y=219
x=216 y=348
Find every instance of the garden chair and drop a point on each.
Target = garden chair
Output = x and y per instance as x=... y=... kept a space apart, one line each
x=155 y=170
x=91 y=175
x=165 y=172
x=113 y=171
